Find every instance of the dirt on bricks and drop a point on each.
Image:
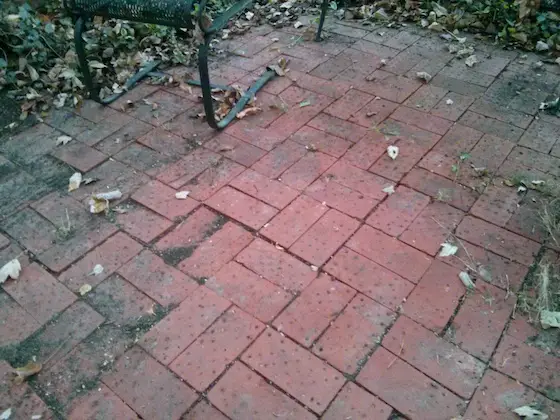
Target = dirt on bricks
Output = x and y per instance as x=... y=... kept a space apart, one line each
x=301 y=276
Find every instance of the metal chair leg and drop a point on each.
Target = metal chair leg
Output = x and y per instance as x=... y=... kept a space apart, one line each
x=324 y=8
x=207 y=87
x=88 y=80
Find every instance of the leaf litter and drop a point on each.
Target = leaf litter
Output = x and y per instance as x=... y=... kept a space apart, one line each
x=448 y=249
x=100 y=202
x=528 y=412
x=393 y=152
x=74 y=182
x=24 y=372
x=97 y=270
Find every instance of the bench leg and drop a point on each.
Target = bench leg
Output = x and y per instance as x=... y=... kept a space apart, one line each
x=324 y=8
x=84 y=67
x=207 y=90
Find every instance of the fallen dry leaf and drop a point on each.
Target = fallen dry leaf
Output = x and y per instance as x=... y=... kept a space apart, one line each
x=226 y=148
x=314 y=268
x=74 y=182
x=466 y=279
x=182 y=195
x=530 y=413
x=97 y=270
x=449 y=102
x=86 y=288
x=10 y=270
x=393 y=152
x=389 y=190
x=6 y=414
x=100 y=202
x=305 y=103
x=248 y=111
x=471 y=60
x=448 y=249
x=62 y=140
x=550 y=319
x=30 y=369
x=423 y=76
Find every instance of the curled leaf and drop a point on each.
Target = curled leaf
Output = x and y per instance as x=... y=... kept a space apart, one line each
x=10 y=270
x=393 y=152
x=24 y=372
x=448 y=249
x=423 y=76
x=389 y=190
x=466 y=279
x=74 y=182
x=550 y=319
x=85 y=289
x=100 y=202
x=471 y=60
x=530 y=413
x=248 y=111
x=62 y=140
x=181 y=195
x=97 y=270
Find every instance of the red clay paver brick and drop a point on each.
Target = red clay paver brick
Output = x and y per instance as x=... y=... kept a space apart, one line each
x=499 y=271
x=119 y=301
x=434 y=356
x=79 y=155
x=497 y=204
x=220 y=248
x=422 y=120
x=391 y=87
x=204 y=411
x=31 y=230
x=312 y=311
x=179 y=173
x=349 y=104
x=390 y=253
x=249 y=291
x=142 y=223
x=72 y=326
x=165 y=142
x=212 y=179
x=432 y=227
x=280 y=159
x=478 y=325
x=373 y=113
x=159 y=107
x=324 y=237
x=276 y=265
x=39 y=293
x=237 y=150
x=295 y=370
x=205 y=359
x=242 y=394
x=331 y=88
x=331 y=193
x=161 y=282
x=452 y=111
x=529 y=365
x=100 y=402
x=337 y=127
x=174 y=333
x=192 y=129
x=268 y=190
x=16 y=324
x=498 y=240
x=148 y=387
x=115 y=141
x=426 y=98
x=161 y=199
x=111 y=255
x=292 y=222
x=491 y=126
x=352 y=402
x=395 y=169
x=440 y=280
x=144 y=159
x=321 y=141
x=440 y=188
x=408 y=390
x=487 y=108
x=97 y=132
x=306 y=170
x=353 y=334
x=497 y=396
x=359 y=180
x=181 y=242
x=369 y=278
x=263 y=138
x=365 y=152
x=398 y=211
x=241 y=207
x=541 y=136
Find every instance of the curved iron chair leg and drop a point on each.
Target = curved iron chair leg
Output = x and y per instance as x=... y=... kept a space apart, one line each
x=324 y=8
x=88 y=80
x=207 y=87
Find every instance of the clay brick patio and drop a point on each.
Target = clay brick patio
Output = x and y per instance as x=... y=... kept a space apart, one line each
x=290 y=284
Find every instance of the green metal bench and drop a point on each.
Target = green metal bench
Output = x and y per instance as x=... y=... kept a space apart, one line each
x=174 y=13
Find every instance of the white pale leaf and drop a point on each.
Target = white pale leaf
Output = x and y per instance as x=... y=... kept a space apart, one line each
x=393 y=152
